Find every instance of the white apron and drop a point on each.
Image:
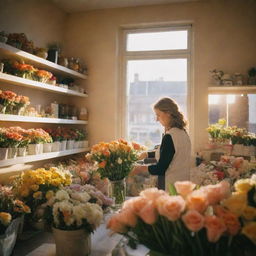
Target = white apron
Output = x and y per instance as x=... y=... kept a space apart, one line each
x=179 y=167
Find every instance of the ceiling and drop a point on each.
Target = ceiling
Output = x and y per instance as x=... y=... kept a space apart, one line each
x=85 y=5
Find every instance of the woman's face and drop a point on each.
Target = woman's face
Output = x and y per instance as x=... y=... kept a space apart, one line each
x=163 y=118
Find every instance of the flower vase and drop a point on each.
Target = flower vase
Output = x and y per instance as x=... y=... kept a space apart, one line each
x=56 y=146
x=70 y=144
x=8 y=239
x=22 y=151
x=47 y=147
x=63 y=145
x=72 y=242
x=3 y=153
x=117 y=191
x=12 y=153
x=238 y=150
x=34 y=149
x=2 y=109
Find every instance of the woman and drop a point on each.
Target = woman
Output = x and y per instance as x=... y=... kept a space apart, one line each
x=173 y=155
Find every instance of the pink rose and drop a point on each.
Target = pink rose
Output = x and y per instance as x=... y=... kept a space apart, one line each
x=184 y=187
x=215 y=228
x=230 y=219
x=152 y=193
x=170 y=206
x=218 y=192
x=193 y=220
x=148 y=213
x=128 y=218
x=116 y=225
x=197 y=200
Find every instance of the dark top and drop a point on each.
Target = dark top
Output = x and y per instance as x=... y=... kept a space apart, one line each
x=167 y=152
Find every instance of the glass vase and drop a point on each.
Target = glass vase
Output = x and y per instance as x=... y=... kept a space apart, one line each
x=117 y=191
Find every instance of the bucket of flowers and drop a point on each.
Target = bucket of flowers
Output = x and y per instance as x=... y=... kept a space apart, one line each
x=191 y=222
x=73 y=214
x=11 y=213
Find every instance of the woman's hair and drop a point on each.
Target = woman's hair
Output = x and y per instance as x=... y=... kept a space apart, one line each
x=168 y=105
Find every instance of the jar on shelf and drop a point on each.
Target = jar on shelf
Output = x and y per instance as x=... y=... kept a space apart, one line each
x=238 y=79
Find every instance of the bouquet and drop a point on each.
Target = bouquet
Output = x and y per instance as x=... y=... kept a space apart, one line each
x=10 y=208
x=35 y=187
x=115 y=159
x=192 y=222
x=39 y=135
x=7 y=98
x=230 y=168
x=71 y=209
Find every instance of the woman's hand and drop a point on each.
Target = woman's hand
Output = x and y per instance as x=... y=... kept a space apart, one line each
x=139 y=169
x=143 y=155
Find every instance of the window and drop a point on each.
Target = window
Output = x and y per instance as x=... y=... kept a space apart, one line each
x=156 y=64
x=238 y=110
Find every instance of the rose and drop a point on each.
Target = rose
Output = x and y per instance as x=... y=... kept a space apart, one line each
x=170 y=206
x=197 y=200
x=215 y=228
x=184 y=187
x=193 y=220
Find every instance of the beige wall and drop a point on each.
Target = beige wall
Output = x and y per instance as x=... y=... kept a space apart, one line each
x=41 y=21
x=224 y=38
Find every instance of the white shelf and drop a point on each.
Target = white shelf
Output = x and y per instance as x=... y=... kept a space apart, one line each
x=8 y=51
x=31 y=119
x=33 y=158
x=15 y=80
x=244 y=89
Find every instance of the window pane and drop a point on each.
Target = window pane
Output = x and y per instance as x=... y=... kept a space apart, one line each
x=148 y=81
x=238 y=110
x=171 y=40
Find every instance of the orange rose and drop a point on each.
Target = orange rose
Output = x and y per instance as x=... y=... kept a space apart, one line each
x=184 y=187
x=116 y=225
x=193 y=220
x=197 y=200
x=215 y=228
x=148 y=213
x=170 y=206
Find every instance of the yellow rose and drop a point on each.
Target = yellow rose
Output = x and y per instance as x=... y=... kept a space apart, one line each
x=38 y=195
x=243 y=185
x=250 y=231
x=249 y=213
x=236 y=203
x=5 y=218
x=49 y=194
x=34 y=187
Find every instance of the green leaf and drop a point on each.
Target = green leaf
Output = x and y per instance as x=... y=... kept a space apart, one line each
x=172 y=190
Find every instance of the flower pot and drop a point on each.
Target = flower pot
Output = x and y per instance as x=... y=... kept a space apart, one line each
x=72 y=242
x=8 y=239
x=252 y=150
x=3 y=153
x=34 y=149
x=2 y=109
x=56 y=146
x=22 y=151
x=246 y=151
x=63 y=145
x=76 y=144
x=70 y=144
x=47 y=147
x=117 y=191
x=12 y=153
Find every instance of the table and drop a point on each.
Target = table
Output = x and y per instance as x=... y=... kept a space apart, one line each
x=103 y=244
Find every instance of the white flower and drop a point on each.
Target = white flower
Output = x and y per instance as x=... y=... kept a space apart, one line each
x=82 y=197
x=62 y=195
x=119 y=160
x=94 y=214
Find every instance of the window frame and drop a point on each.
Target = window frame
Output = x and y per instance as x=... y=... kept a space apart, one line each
x=125 y=56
